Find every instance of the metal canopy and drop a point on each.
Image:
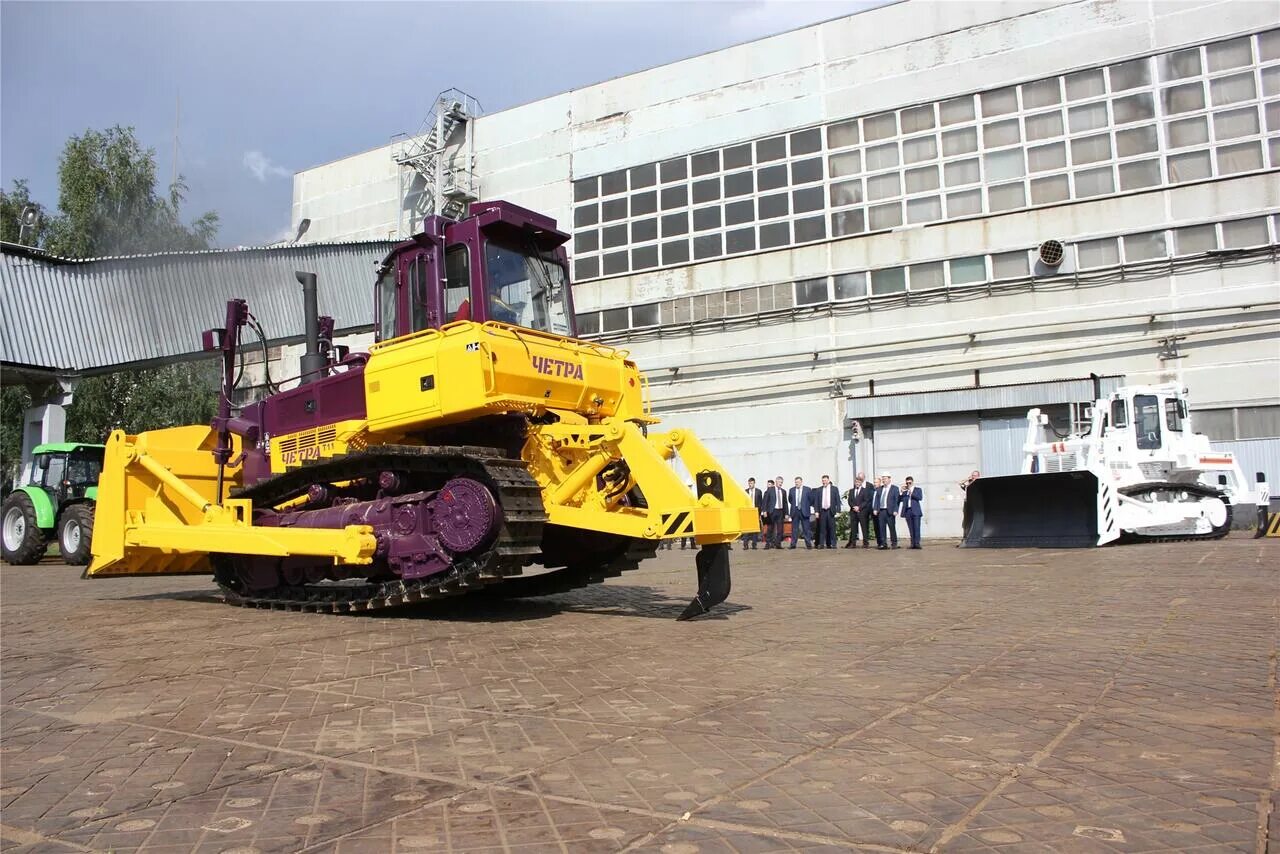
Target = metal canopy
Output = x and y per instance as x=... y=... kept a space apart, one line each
x=85 y=316
x=989 y=398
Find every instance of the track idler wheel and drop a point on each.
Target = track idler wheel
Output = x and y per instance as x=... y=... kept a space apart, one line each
x=713 y=580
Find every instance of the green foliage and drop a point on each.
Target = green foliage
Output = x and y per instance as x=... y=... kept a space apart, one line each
x=12 y=204
x=108 y=203
x=147 y=399
x=842 y=526
x=13 y=403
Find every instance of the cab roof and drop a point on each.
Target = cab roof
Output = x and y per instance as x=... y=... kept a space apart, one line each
x=65 y=447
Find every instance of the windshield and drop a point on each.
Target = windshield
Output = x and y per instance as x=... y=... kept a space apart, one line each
x=525 y=289
x=83 y=470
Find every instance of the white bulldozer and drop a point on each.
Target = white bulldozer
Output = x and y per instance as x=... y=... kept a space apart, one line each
x=1130 y=468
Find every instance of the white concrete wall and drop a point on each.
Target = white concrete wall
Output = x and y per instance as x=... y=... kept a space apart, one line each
x=892 y=56
x=764 y=404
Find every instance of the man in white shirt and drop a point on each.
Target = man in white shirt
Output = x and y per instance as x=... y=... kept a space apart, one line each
x=826 y=504
x=885 y=509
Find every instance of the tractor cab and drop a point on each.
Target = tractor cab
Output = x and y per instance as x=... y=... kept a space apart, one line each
x=65 y=471
x=502 y=263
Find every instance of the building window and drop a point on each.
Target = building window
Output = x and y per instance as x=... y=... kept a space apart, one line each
x=1195 y=239
x=811 y=291
x=1010 y=265
x=890 y=281
x=966 y=271
x=1144 y=247
x=614 y=319
x=1194 y=114
x=928 y=276
x=1243 y=233
x=1098 y=253
x=741 y=240
x=850 y=286
x=644 y=315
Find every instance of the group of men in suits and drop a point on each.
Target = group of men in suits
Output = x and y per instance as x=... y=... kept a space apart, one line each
x=808 y=508
x=879 y=504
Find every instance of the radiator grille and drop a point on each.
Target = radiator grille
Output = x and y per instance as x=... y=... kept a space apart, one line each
x=310 y=439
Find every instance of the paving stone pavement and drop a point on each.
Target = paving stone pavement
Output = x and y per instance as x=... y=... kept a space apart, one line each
x=1119 y=699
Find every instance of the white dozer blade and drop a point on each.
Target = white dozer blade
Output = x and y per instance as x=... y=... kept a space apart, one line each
x=1061 y=510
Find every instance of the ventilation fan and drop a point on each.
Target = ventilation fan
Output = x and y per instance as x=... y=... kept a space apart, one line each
x=1052 y=252
x=1053 y=258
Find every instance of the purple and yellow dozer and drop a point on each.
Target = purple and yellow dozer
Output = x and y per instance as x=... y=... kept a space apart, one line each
x=477 y=439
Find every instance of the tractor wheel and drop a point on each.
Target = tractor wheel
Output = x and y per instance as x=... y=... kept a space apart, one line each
x=22 y=542
x=75 y=534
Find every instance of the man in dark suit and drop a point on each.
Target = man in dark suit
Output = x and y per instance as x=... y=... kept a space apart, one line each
x=859 y=499
x=756 y=498
x=801 y=506
x=912 y=495
x=775 y=511
x=826 y=503
x=885 y=508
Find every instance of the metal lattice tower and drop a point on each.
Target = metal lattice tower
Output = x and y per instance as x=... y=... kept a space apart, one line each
x=437 y=173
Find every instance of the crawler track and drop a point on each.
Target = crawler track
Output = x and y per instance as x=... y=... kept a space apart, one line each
x=518 y=544
x=1193 y=488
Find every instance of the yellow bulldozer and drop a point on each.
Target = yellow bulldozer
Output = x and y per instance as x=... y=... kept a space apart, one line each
x=478 y=438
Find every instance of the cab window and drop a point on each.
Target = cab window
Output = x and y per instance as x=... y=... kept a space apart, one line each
x=1119 y=413
x=1146 y=417
x=84 y=470
x=387 y=304
x=1174 y=412
x=457 y=286
x=416 y=281
x=54 y=472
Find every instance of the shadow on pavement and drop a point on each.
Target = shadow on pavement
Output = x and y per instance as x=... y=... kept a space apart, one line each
x=491 y=607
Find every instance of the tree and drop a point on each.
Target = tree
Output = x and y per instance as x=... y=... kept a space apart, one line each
x=13 y=406
x=108 y=205
x=12 y=205
x=147 y=399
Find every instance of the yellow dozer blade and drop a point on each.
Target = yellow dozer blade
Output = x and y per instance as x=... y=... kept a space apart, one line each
x=159 y=511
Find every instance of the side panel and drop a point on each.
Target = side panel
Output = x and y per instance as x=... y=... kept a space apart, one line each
x=470 y=369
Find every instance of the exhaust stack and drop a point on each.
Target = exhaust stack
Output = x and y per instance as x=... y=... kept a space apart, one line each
x=314 y=363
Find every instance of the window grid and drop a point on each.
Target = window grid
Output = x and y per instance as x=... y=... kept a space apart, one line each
x=861 y=285
x=1190 y=114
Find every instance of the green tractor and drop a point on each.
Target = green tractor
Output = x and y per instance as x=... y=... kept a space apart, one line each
x=58 y=498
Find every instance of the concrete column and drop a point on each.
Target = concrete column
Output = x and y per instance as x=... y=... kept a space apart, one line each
x=40 y=425
x=46 y=421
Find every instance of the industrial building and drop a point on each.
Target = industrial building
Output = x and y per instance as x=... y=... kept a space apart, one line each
x=824 y=246
x=868 y=244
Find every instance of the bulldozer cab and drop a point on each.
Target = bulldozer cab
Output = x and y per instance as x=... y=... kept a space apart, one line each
x=1147 y=422
x=502 y=263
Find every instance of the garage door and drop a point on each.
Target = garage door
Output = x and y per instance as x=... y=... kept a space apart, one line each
x=1002 y=440
x=938 y=451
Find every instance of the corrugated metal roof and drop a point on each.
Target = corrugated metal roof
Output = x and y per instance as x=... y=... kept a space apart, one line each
x=989 y=398
x=86 y=314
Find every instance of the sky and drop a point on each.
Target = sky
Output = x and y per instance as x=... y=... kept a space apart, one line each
x=262 y=90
